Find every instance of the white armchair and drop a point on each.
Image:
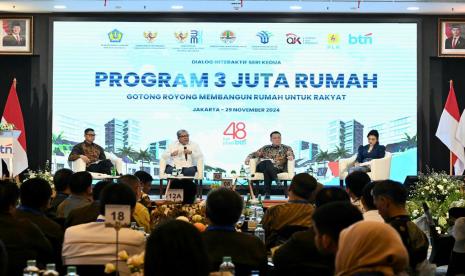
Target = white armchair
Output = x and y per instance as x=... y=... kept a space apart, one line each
x=258 y=176
x=380 y=168
x=79 y=165
x=198 y=177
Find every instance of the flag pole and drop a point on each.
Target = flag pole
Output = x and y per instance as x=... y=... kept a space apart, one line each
x=14 y=82
x=450 y=163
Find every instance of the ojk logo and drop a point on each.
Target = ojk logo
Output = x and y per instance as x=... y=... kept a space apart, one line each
x=264 y=37
x=293 y=39
x=361 y=39
x=6 y=149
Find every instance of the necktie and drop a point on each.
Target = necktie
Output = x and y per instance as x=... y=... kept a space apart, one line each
x=454 y=43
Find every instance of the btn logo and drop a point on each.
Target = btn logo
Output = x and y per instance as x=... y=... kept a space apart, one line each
x=115 y=36
x=6 y=149
x=361 y=39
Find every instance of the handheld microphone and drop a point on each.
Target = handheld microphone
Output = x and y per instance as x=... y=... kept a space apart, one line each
x=185 y=154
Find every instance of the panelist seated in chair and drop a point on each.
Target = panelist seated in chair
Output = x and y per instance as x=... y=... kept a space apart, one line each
x=368 y=152
x=182 y=154
x=273 y=158
x=92 y=154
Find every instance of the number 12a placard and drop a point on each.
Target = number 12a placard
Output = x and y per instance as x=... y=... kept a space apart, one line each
x=117 y=215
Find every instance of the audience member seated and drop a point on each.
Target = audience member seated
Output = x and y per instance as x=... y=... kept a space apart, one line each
x=371 y=213
x=176 y=248
x=23 y=240
x=224 y=207
x=457 y=258
x=355 y=182
x=299 y=255
x=390 y=198
x=330 y=194
x=141 y=213
x=90 y=212
x=3 y=260
x=370 y=248
x=94 y=244
x=35 y=196
x=61 y=180
x=328 y=222
x=296 y=213
x=146 y=181
x=81 y=194
x=188 y=208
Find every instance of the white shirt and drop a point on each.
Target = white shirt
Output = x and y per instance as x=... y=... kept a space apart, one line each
x=373 y=215
x=180 y=159
x=94 y=244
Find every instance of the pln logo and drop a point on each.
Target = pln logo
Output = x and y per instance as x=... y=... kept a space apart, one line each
x=115 y=36
x=228 y=37
x=150 y=36
x=366 y=39
x=181 y=37
x=6 y=149
x=196 y=37
x=264 y=37
x=292 y=39
x=333 y=41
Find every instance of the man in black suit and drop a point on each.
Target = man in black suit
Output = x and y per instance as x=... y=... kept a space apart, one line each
x=14 y=38
x=223 y=209
x=456 y=41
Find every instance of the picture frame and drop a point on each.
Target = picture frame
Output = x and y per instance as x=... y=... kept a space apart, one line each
x=16 y=35
x=451 y=37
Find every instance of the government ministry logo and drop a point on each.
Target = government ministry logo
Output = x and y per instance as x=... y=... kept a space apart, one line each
x=181 y=37
x=150 y=36
x=115 y=36
x=228 y=37
x=264 y=37
x=196 y=37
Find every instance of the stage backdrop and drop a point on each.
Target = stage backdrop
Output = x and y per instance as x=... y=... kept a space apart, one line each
x=322 y=85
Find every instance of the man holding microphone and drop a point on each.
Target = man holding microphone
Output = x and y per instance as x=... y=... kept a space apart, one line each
x=182 y=154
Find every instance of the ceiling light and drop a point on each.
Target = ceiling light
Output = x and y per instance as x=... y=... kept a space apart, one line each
x=413 y=8
x=177 y=7
x=295 y=8
x=59 y=7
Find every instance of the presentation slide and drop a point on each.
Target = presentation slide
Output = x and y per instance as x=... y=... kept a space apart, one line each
x=324 y=86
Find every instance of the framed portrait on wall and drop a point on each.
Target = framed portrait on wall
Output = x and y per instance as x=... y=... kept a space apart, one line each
x=16 y=35
x=451 y=38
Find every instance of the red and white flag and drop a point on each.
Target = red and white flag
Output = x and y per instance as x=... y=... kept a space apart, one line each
x=13 y=115
x=447 y=131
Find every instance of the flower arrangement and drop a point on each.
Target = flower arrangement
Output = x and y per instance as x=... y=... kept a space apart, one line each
x=44 y=174
x=440 y=192
x=7 y=126
x=135 y=263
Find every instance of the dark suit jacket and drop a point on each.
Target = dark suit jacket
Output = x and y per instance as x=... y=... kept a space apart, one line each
x=460 y=43
x=52 y=230
x=299 y=256
x=377 y=152
x=10 y=40
x=247 y=251
x=86 y=214
x=23 y=241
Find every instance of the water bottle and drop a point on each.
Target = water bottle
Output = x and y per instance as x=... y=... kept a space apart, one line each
x=134 y=225
x=227 y=266
x=260 y=233
x=31 y=269
x=175 y=171
x=51 y=270
x=71 y=271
